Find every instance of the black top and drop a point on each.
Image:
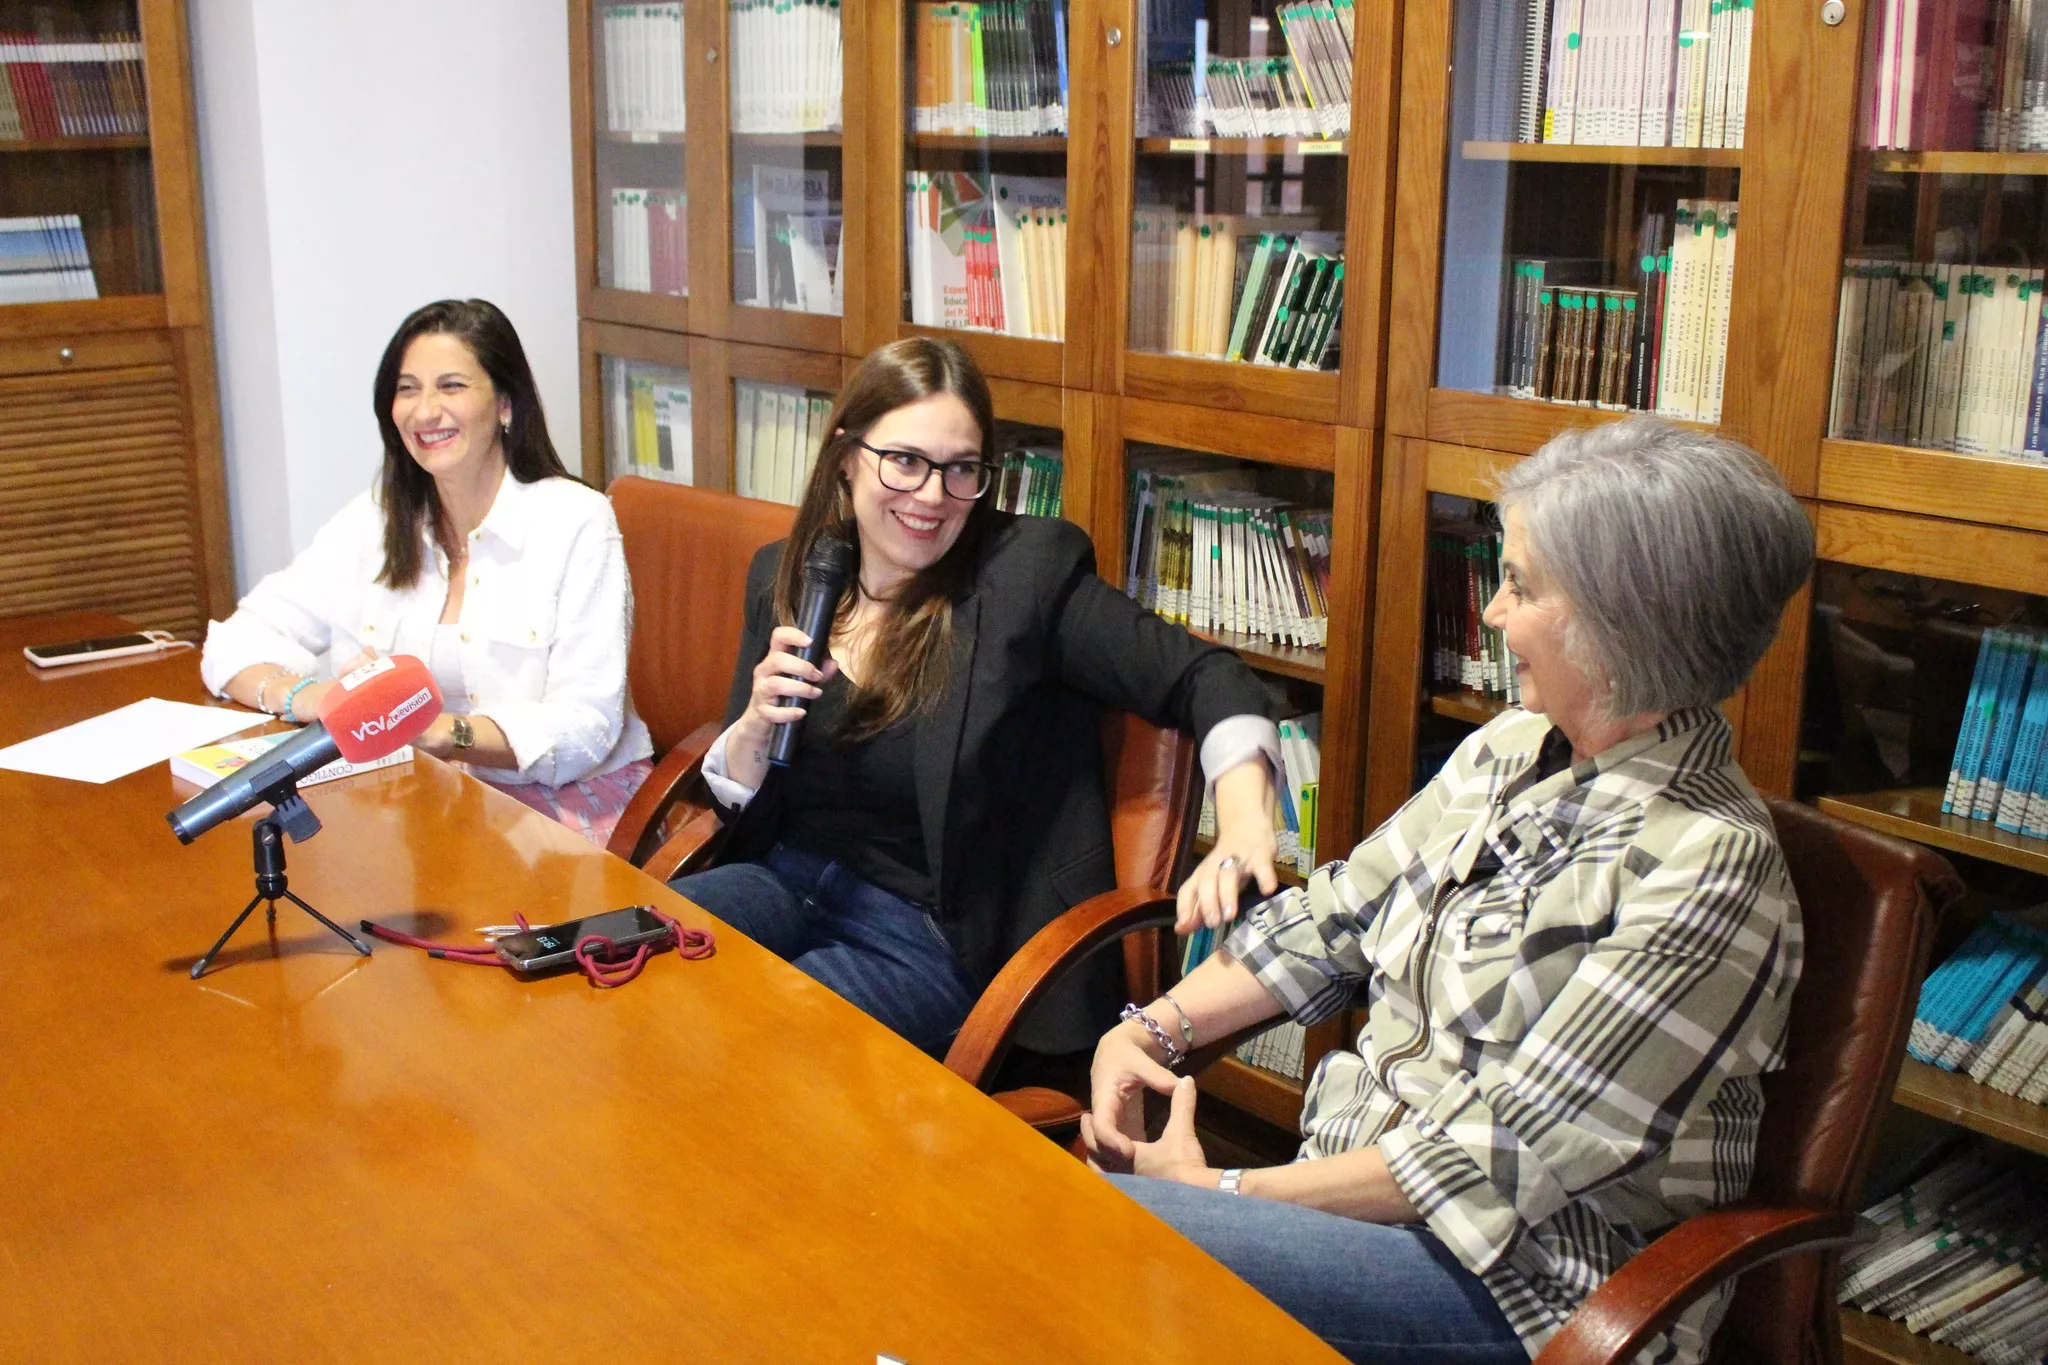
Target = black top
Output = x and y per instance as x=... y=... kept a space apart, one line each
x=857 y=803
x=1011 y=802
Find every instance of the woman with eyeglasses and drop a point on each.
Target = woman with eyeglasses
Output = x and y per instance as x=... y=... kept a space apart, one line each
x=947 y=799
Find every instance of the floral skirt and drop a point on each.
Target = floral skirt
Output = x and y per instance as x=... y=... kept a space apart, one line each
x=591 y=807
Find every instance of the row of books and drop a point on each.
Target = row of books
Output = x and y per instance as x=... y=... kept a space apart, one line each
x=777 y=430
x=1294 y=814
x=786 y=71
x=647 y=421
x=44 y=259
x=1999 y=773
x=643 y=68
x=651 y=241
x=1236 y=287
x=1953 y=75
x=1660 y=346
x=992 y=68
x=1304 y=91
x=1630 y=73
x=1984 y=1012
x=789 y=247
x=987 y=252
x=1941 y=356
x=1464 y=573
x=1210 y=552
x=1029 y=480
x=1958 y=1258
x=57 y=88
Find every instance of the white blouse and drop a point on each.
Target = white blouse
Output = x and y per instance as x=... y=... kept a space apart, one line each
x=547 y=618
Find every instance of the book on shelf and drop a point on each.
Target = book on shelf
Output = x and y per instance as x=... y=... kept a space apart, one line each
x=209 y=764
x=643 y=68
x=1958 y=1258
x=1298 y=86
x=1211 y=553
x=787 y=73
x=1237 y=287
x=1980 y=1012
x=1029 y=480
x=44 y=260
x=647 y=421
x=650 y=241
x=1463 y=652
x=794 y=244
x=1294 y=813
x=1942 y=356
x=56 y=88
x=994 y=68
x=1957 y=75
x=1999 y=773
x=777 y=432
x=1614 y=73
x=987 y=252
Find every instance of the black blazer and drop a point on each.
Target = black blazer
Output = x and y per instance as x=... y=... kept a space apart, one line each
x=1010 y=785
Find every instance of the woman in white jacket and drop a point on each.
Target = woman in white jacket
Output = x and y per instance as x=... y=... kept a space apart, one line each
x=512 y=589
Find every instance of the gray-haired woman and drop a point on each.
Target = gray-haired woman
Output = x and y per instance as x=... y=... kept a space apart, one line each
x=1577 y=946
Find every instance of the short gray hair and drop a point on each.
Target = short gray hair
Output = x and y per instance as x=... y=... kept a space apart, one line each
x=1676 y=551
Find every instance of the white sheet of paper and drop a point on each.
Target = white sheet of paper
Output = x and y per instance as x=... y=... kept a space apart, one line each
x=119 y=742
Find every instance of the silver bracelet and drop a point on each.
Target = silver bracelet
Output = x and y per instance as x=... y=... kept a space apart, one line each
x=1187 y=1025
x=1174 y=1056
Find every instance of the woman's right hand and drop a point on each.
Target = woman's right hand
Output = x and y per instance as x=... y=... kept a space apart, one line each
x=1124 y=1069
x=780 y=676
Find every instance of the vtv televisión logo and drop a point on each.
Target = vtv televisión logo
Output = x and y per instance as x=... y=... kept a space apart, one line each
x=377 y=725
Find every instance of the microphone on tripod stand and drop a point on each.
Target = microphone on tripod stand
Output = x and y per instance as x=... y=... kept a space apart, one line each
x=826 y=570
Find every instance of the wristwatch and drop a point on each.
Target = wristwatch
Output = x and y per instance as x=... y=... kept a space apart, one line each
x=465 y=733
x=1230 y=1181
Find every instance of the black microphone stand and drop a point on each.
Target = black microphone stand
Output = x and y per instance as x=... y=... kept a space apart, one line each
x=289 y=815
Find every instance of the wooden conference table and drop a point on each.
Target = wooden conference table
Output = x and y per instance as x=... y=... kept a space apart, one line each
x=309 y=1155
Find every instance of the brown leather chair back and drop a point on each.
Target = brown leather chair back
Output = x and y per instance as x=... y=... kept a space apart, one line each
x=687 y=550
x=1155 y=800
x=1868 y=903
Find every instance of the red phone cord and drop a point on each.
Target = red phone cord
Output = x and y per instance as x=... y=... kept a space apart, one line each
x=594 y=952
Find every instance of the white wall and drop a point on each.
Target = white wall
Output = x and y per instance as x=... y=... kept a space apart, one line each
x=360 y=158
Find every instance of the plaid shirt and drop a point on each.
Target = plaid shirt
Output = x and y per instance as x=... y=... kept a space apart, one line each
x=1574 y=975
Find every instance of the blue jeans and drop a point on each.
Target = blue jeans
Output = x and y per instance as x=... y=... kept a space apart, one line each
x=883 y=953
x=1390 y=1295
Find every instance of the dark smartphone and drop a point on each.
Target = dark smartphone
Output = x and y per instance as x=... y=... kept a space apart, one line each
x=106 y=647
x=554 y=945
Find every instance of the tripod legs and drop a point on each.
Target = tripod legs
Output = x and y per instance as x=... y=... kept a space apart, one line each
x=206 y=958
x=268 y=842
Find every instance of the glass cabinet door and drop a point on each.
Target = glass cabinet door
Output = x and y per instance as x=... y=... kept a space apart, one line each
x=1591 y=210
x=1237 y=227
x=642 y=204
x=985 y=166
x=647 y=420
x=77 y=198
x=787 y=117
x=777 y=430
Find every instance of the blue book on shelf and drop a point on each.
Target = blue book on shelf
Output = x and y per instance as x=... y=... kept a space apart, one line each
x=2000 y=978
x=1945 y=994
x=1976 y=733
x=2034 y=824
x=2005 y=724
x=2025 y=773
x=2037 y=431
x=1059 y=35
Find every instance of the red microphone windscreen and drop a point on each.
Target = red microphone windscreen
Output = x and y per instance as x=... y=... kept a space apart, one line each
x=382 y=706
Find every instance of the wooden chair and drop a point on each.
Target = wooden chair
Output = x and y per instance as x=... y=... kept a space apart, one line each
x=688 y=550
x=1868 y=904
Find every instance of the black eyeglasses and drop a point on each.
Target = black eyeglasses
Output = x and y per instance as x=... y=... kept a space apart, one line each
x=906 y=471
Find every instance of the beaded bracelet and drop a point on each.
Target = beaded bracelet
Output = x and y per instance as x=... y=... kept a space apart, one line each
x=263 y=686
x=1174 y=1055
x=286 y=710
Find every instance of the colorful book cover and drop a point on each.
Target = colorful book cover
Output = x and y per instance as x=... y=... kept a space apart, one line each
x=210 y=764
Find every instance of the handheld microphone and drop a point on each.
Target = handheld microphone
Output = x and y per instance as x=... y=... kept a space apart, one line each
x=825 y=574
x=382 y=706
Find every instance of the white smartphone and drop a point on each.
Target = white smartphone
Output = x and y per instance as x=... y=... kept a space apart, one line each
x=105 y=647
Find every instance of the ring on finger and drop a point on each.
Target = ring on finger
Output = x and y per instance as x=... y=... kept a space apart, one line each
x=1230 y=863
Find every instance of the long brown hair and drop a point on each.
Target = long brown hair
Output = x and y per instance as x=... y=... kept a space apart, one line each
x=405 y=490
x=913 y=646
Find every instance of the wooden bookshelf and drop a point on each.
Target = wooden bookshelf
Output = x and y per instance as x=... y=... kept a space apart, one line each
x=1474 y=708
x=1289 y=661
x=1044 y=144
x=1961 y=163
x=134 y=142
x=1955 y=1098
x=1935 y=483
x=643 y=138
x=1600 y=155
x=1259 y=1092
x=1915 y=813
x=1241 y=146
x=816 y=139
x=1871 y=1340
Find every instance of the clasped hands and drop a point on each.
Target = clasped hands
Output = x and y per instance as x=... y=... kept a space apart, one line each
x=1114 y=1130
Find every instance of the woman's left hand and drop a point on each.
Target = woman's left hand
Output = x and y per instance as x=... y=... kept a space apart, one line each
x=1245 y=847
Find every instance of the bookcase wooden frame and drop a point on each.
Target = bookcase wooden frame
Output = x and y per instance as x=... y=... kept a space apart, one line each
x=108 y=336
